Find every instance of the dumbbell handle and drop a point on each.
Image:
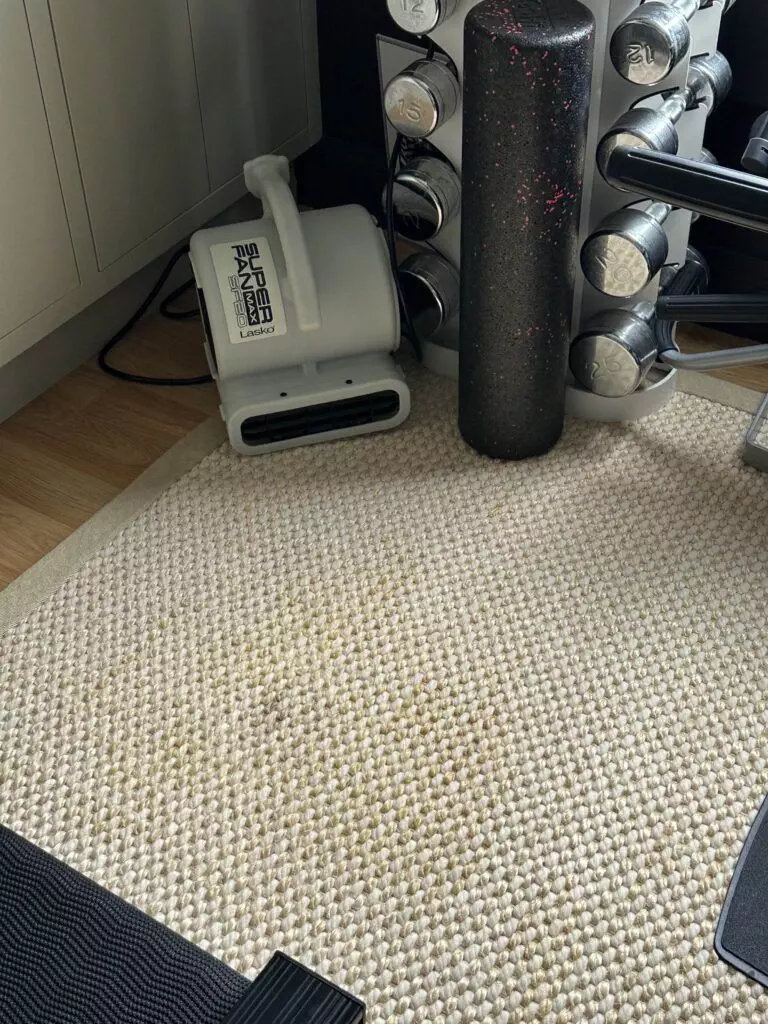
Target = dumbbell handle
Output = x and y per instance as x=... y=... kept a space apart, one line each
x=678 y=102
x=713 y=191
x=659 y=212
x=686 y=7
x=644 y=311
x=676 y=105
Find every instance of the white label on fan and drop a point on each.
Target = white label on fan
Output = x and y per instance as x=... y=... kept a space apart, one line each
x=249 y=290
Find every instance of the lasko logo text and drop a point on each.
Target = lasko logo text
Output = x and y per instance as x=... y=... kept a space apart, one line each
x=253 y=303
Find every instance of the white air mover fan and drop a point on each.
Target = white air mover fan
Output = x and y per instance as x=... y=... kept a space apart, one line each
x=301 y=318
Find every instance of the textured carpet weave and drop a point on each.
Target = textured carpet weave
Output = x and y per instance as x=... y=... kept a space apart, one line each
x=479 y=741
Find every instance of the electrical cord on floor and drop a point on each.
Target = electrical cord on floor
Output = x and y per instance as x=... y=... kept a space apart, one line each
x=114 y=341
x=389 y=215
x=169 y=301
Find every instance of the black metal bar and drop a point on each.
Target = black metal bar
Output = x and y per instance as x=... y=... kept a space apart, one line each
x=718 y=192
x=714 y=309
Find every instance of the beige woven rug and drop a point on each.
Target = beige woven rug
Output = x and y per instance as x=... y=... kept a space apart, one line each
x=479 y=741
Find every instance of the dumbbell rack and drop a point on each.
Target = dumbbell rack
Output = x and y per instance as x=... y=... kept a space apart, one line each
x=611 y=97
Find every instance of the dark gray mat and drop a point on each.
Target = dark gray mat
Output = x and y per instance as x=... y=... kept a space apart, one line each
x=73 y=953
x=742 y=933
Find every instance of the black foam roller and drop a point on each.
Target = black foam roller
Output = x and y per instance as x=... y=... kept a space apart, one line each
x=527 y=83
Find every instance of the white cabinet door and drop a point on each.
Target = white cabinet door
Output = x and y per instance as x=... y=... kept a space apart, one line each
x=129 y=75
x=250 y=57
x=37 y=263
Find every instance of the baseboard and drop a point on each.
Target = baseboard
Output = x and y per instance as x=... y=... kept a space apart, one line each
x=53 y=357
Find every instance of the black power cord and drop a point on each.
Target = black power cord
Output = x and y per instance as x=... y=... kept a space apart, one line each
x=114 y=341
x=169 y=301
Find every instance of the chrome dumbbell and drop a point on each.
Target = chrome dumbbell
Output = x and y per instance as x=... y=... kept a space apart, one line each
x=648 y=46
x=431 y=289
x=426 y=197
x=709 y=82
x=614 y=354
x=629 y=248
x=651 y=42
x=420 y=16
x=422 y=98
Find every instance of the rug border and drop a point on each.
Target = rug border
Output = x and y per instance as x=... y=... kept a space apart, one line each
x=21 y=597
x=722 y=392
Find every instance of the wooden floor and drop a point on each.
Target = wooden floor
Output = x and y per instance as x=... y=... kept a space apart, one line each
x=68 y=453
x=702 y=339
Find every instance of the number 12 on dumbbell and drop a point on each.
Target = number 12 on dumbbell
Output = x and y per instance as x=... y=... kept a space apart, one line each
x=649 y=44
x=420 y=16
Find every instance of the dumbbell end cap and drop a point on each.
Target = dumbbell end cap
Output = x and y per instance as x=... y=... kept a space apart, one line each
x=649 y=45
x=420 y=18
x=603 y=366
x=625 y=253
x=613 y=355
x=615 y=265
x=431 y=287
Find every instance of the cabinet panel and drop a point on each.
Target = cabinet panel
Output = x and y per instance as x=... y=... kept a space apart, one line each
x=129 y=75
x=252 y=78
x=37 y=263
